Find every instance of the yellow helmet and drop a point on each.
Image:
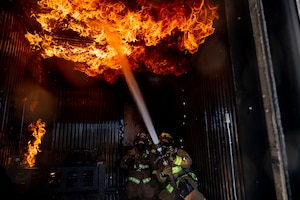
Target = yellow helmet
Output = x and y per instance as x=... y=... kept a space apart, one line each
x=166 y=139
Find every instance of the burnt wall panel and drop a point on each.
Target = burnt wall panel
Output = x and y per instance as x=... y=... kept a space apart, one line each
x=86 y=129
x=209 y=125
x=206 y=117
x=230 y=155
x=13 y=53
x=89 y=144
x=82 y=121
x=219 y=162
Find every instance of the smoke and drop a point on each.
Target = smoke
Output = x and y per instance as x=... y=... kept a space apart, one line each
x=34 y=102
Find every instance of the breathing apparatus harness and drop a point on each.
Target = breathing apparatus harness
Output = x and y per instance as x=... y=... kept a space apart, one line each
x=164 y=158
x=136 y=164
x=180 y=186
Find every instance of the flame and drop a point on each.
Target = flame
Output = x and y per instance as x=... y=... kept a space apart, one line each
x=156 y=35
x=38 y=132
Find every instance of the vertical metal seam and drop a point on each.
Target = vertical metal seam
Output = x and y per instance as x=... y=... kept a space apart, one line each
x=270 y=100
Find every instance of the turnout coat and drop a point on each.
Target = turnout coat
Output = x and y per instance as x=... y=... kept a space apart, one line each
x=181 y=183
x=139 y=182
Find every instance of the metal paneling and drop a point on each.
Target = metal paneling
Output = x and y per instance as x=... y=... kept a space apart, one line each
x=212 y=140
x=13 y=54
x=84 y=125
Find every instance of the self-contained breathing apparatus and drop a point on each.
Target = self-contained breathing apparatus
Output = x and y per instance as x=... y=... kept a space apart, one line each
x=169 y=157
x=139 y=183
x=140 y=150
x=166 y=142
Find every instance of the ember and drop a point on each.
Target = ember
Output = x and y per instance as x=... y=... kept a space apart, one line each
x=157 y=36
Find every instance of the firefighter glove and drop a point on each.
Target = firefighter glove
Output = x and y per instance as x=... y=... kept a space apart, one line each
x=129 y=160
x=171 y=154
x=166 y=171
x=133 y=151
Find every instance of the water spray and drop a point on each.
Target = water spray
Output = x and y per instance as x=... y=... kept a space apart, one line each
x=114 y=40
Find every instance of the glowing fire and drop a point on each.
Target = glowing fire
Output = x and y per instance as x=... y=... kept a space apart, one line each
x=38 y=132
x=157 y=35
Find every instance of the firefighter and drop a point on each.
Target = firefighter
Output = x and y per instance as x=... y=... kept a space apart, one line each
x=139 y=183
x=173 y=171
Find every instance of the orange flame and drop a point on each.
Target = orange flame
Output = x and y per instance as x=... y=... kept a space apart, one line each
x=156 y=35
x=38 y=132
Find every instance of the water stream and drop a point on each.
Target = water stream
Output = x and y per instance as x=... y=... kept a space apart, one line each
x=114 y=40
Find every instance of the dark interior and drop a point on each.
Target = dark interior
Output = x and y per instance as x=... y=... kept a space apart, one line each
x=90 y=123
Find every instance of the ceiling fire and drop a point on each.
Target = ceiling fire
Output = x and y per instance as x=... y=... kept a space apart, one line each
x=157 y=36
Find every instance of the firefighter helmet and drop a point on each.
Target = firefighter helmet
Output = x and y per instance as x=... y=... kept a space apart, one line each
x=142 y=140
x=166 y=139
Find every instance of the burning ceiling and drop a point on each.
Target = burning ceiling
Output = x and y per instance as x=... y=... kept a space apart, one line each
x=154 y=35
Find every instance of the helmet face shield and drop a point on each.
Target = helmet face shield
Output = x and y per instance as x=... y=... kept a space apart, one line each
x=166 y=139
x=141 y=140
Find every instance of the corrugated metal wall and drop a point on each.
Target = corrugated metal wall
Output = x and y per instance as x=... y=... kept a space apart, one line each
x=210 y=134
x=207 y=117
x=83 y=126
x=86 y=125
x=74 y=140
x=14 y=53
